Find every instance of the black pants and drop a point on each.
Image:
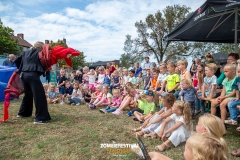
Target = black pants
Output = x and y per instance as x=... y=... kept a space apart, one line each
x=33 y=90
x=137 y=109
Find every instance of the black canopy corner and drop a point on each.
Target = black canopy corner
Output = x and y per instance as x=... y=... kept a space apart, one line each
x=214 y=21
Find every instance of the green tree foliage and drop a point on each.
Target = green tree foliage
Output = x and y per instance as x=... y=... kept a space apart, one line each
x=151 y=33
x=76 y=60
x=7 y=44
x=128 y=55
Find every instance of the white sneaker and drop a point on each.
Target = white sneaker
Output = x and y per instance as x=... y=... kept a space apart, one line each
x=62 y=102
x=77 y=104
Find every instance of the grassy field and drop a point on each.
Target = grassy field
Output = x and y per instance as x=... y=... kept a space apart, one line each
x=76 y=132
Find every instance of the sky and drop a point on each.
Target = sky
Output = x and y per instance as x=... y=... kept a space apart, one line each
x=97 y=28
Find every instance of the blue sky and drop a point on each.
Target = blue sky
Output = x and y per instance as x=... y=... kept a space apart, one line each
x=97 y=28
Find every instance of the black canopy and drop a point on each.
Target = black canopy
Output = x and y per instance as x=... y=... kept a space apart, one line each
x=220 y=57
x=98 y=63
x=214 y=21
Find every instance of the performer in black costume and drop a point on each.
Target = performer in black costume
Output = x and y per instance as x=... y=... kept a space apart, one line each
x=30 y=70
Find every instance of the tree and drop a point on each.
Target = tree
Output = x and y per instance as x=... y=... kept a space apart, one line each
x=128 y=56
x=151 y=33
x=7 y=44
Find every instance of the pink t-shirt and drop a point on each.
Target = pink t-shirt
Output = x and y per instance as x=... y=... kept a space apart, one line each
x=117 y=101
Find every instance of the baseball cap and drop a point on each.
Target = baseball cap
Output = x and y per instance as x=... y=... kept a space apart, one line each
x=149 y=93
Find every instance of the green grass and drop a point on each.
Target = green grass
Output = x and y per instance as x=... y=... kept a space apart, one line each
x=76 y=132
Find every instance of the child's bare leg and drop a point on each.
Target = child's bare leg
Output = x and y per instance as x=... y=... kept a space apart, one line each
x=125 y=103
x=99 y=103
x=138 y=115
x=147 y=116
x=223 y=108
x=213 y=106
x=96 y=101
x=55 y=100
x=140 y=133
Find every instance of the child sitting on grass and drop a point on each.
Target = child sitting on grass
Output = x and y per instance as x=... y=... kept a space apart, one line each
x=156 y=120
x=76 y=97
x=103 y=100
x=86 y=94
x=128 y=101
x=147 y=106
x=116 y=102
x=68 y=89
x=96 y=94
x=52 y=95
x=178 y=127
x=228 y=93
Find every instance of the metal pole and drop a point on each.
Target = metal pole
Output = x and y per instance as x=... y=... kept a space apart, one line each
x=236 y=30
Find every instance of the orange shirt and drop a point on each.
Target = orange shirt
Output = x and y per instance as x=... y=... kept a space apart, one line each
x=154 y=83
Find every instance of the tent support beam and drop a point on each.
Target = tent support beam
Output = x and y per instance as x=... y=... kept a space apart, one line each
x=236 y=30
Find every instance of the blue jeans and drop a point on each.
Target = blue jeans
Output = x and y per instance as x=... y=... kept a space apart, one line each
x=145 y=87
x=176 y=94
x=200 y=104
x=75 y=100
x=232 y=107
x=109 y=109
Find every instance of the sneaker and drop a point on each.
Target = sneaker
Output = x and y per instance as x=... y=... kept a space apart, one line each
x=77 y=104
x=117 y=112
x=135 y=119
x=62 y=102
x=39 y=122
x=102 y=110
x=19 y=116
x=92 y=107
x=129 y=114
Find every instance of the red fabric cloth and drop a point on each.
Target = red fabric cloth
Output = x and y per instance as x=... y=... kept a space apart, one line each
x=112 y=69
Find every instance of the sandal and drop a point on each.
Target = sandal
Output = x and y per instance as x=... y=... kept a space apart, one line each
x=231 y=122
x=137 y=129
x=236 y=153
x=160 y=148
x=196 y=113
x=238 y=129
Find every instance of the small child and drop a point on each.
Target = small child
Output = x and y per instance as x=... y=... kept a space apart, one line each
x=116 y=102
x=127 y=101
x=61 y=85
x=179 y=124
x=132 y=79
x=147 y=80
x=125 y=77
x=172 y=80
x=200 y=76
x=85 y=79
x=107 y=78
x=147 y=105
x=115 y=80
x=232 y=105
x=153 y=80
x=103 y=100
x=101 y=75
x=96 y=94
x=228 y=93
x=209 y=85
x=162 y=76
x=52 y=95
x=68 y=89
x=156 y=120
x=91 y=79
x=139 y=80
x=86 y=94
x=188 y=93
x=76 y=96
x=78 y=77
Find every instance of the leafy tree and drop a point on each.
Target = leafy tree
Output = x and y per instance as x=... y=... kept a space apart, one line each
x=151 y=33
x=7 y=44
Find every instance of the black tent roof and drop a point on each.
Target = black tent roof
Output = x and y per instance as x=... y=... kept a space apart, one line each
x=212 y=22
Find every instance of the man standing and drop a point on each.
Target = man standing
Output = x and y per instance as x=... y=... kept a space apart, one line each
x=10 y=61
x=131 y=67
x=147 y=65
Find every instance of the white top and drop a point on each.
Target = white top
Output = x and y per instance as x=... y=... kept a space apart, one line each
x=75 y=92
x=146 y=65
x=101 y=78
x=125 y=78
x=92 y=79
x=162 y=77
x=176 y=118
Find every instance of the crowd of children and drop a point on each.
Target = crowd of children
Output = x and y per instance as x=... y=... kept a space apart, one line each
x=164 y=100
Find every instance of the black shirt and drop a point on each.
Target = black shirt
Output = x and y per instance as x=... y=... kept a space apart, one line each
x=79 y=78
x=61 y=79
x=87 y=97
